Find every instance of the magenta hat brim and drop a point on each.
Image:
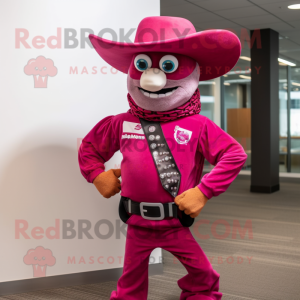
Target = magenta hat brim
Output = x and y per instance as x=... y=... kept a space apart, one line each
x=216 y=51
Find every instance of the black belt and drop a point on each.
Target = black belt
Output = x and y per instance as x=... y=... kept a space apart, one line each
x=151 y=211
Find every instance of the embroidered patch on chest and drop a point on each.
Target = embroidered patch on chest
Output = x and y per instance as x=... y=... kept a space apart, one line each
x=130 y=127
x=181 y=135
x=132 y=130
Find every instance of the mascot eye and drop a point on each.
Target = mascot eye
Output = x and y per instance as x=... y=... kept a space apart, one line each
x=142 y=62
x=168 y=63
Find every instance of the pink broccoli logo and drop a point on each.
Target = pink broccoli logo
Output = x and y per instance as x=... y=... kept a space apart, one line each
x=39 y=258
x=138 y=127
x=40 y=68
x=182 y=136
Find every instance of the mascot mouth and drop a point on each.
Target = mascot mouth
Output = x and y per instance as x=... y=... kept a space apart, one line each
x=159 y=94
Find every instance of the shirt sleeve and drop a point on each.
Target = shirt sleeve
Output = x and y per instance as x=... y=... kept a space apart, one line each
x=225 y=153
x=97 y=147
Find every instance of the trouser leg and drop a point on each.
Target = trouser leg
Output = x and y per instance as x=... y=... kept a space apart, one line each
x=202 y=281
x=133 y=284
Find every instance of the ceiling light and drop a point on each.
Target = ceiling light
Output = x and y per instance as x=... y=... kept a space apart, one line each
x=226 y=83
x=286 y=62
x=239 y=80
x=296 y=83
x=225 y=75
x=238 y=72
x=245 y=58
x=294 y=6
x=245 y=77
x=206 y=82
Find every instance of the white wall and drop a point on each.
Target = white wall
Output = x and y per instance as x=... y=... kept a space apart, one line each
x=40 y=179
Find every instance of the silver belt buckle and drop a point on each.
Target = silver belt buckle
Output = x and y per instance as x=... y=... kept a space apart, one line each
x=159 y=205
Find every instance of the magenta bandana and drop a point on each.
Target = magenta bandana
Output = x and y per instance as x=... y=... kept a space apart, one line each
x=191 y=107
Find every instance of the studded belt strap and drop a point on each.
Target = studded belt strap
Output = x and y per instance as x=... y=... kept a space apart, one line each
x=166 y=167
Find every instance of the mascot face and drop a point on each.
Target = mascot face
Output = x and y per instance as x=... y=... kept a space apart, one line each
x=162 y=81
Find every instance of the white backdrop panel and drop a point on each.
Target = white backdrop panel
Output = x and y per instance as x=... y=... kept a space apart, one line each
x=41 y=123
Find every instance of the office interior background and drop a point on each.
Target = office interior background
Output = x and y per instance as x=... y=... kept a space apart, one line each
x=228 y=103
x=251 y=238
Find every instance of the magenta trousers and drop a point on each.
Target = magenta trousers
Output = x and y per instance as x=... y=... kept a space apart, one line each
x=201 y=282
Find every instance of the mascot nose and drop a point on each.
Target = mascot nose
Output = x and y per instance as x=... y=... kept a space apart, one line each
x=153 y=80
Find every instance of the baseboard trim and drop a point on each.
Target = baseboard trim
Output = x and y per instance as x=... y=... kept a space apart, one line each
x=264 y=189
x=44 y=283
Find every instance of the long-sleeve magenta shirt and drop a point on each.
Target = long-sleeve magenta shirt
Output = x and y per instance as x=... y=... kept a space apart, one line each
x=140 y=181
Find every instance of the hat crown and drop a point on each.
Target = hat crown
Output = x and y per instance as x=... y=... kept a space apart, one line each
x=153 y=29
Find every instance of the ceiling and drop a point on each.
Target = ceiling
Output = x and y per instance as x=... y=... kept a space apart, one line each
x=237 y=14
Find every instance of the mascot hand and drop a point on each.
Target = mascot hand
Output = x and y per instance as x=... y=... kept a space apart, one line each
x=107 y=183
x=191 y=201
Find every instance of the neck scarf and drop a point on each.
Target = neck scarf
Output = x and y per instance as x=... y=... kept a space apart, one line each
x=191 y=107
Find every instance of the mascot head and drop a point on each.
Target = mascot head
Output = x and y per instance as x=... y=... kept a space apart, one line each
x=168 y=59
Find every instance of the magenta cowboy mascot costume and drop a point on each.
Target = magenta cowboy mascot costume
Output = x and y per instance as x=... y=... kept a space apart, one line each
x=164 y=141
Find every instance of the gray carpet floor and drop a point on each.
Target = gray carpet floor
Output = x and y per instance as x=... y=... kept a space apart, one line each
x=265 y=265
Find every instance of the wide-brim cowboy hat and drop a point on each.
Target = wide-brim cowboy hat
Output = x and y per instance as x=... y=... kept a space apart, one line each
x=216 y=51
